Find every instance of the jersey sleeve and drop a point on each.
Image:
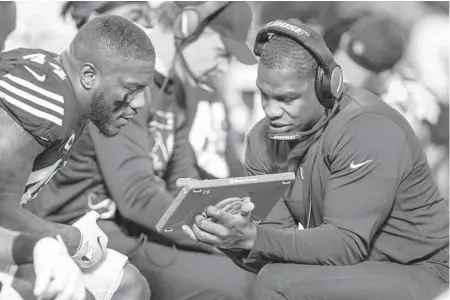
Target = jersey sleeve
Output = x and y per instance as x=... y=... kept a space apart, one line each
x=32 y=92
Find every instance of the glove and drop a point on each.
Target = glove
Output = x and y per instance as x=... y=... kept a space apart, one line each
x=93 y=241
x=57 y=275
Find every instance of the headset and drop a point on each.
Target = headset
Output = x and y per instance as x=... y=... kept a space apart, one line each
x=192 y=20
x=329 y=78
x=189 y=25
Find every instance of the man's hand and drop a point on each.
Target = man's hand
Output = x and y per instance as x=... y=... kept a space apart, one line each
x=93 y=241
x=224 y=230
x=57 y=275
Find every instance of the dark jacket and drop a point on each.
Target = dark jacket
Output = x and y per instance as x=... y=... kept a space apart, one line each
x=364 y=186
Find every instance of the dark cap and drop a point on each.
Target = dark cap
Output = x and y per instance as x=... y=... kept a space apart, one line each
x=376 y=43
x=233 y=24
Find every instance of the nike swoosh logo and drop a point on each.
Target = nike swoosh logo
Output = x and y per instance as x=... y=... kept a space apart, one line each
x=355 y=166
x=37 y=76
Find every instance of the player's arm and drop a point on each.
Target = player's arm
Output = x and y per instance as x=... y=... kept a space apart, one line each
x=127 y=170
x=357 y=202
x=17 y=248
x=18 y=150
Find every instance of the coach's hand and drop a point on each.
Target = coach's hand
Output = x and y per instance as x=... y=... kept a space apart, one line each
x=57 y=275
x=93 y=241
x=224 y=230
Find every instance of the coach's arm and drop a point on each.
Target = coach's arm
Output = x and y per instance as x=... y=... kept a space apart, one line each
x=357 y=200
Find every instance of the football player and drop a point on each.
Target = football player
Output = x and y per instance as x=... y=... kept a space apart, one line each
x=45 y=102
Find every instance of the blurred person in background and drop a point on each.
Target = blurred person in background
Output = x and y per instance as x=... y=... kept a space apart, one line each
x=428 y=56
x=7 y=21
x=373 y=46
x=203 y=77
x=372 y=53
x=131 y=180
x=138 y=12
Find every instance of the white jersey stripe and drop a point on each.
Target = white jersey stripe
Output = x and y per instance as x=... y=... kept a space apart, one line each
x=35 y=88
x=31 y=98
x=31 y=110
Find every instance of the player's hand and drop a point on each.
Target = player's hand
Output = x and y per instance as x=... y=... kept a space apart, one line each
x=93 y=241
x=224 y=230
x=57 y=275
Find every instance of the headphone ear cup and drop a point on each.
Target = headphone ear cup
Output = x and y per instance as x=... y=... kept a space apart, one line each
x=318 y=85
x=261 y=38
x=336 y=82
x=186 y=23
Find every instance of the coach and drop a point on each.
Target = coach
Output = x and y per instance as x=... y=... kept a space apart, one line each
x=373 y=224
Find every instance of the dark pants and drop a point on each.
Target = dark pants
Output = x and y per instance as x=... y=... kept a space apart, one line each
x=180 y=275
x=175 y=274
x=364 y=281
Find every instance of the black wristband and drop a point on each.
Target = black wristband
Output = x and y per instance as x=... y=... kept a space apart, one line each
x=23 y=247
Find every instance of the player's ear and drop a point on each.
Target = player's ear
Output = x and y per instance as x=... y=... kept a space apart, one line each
x=88 y=75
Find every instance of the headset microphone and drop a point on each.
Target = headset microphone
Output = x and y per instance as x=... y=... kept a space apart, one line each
x=296 y=136
x=285 y=137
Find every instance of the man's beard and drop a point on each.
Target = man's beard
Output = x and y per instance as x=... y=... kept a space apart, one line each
x=101 y=114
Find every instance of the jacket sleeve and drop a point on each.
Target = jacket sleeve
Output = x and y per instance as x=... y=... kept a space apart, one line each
x=368 y=160
x=127 y=169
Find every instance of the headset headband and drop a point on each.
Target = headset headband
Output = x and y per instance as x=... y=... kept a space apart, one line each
x=301 y=34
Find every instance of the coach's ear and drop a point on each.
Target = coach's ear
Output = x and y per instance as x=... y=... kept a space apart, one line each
x=88 y=75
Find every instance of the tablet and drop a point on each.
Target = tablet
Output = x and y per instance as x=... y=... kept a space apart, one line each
x=263 y=190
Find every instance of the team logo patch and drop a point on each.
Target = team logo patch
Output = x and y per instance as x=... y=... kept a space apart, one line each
x=68 y=144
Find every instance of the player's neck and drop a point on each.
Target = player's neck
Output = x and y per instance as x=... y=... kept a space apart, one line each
x=68 y=63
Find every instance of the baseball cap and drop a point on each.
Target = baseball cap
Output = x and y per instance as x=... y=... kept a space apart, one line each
x=233 y=24
x=376 y=43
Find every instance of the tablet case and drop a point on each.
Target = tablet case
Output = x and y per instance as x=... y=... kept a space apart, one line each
x=264 y=191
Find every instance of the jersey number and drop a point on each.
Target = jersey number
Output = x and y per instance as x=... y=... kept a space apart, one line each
x=41 y=59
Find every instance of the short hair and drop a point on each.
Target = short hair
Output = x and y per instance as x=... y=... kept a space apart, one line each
x=283 y=53
x=113 y=37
